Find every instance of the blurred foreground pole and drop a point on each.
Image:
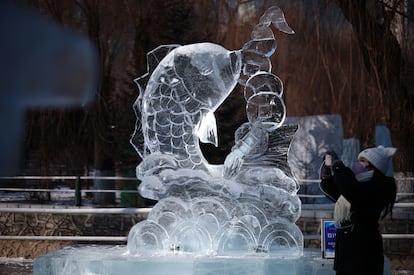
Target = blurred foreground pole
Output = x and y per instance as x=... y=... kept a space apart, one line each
x=41 y=65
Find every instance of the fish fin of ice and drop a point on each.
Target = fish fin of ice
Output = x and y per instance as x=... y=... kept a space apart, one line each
x=275 y=16
x=207 y=129
x=276 y=154
x=155 y=56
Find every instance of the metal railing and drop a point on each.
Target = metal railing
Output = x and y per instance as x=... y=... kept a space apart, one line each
x=123 y=239
x=79 y=191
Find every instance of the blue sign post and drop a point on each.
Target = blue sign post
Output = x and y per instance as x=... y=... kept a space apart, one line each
x=328 y=237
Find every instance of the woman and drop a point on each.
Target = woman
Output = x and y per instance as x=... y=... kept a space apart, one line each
x=362 y=197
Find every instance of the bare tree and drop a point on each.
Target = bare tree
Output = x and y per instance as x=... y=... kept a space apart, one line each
x=373 y=23
x=320 y=66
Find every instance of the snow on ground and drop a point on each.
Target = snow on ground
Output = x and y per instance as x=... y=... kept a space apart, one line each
x=16 y=266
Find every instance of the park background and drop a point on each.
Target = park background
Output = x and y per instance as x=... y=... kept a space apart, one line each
x=348 y=57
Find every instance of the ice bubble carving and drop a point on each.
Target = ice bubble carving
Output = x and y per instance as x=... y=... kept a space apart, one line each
x=248 y=205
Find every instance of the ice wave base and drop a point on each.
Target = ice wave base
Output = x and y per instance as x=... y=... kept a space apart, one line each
x=108 y=260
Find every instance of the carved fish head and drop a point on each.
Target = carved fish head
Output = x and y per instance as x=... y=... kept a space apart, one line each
x=209 y=72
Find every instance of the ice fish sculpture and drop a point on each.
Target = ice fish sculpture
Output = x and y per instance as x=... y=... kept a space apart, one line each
x=179 y=100
x=248 y=205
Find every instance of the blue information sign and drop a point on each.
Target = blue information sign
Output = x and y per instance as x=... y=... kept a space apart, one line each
x=328 y=234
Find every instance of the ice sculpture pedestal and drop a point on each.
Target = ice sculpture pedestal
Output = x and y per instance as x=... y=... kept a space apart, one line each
x=99 y=259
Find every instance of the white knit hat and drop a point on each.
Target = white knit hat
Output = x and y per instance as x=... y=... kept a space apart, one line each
x=379 y=157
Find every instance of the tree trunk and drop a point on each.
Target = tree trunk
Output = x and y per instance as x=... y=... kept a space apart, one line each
x=383 y=60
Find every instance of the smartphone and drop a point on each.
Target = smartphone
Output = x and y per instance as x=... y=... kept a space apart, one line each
x=328 y=160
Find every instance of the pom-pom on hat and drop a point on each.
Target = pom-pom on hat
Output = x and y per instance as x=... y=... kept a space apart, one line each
x=379 y=157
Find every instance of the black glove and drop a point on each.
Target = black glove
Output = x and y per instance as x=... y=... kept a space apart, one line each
x=325 y=172
x=329 y=159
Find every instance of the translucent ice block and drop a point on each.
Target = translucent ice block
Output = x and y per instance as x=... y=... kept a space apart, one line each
x=114 y=260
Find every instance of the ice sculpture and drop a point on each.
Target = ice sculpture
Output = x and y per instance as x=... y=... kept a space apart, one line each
x=248 y=205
